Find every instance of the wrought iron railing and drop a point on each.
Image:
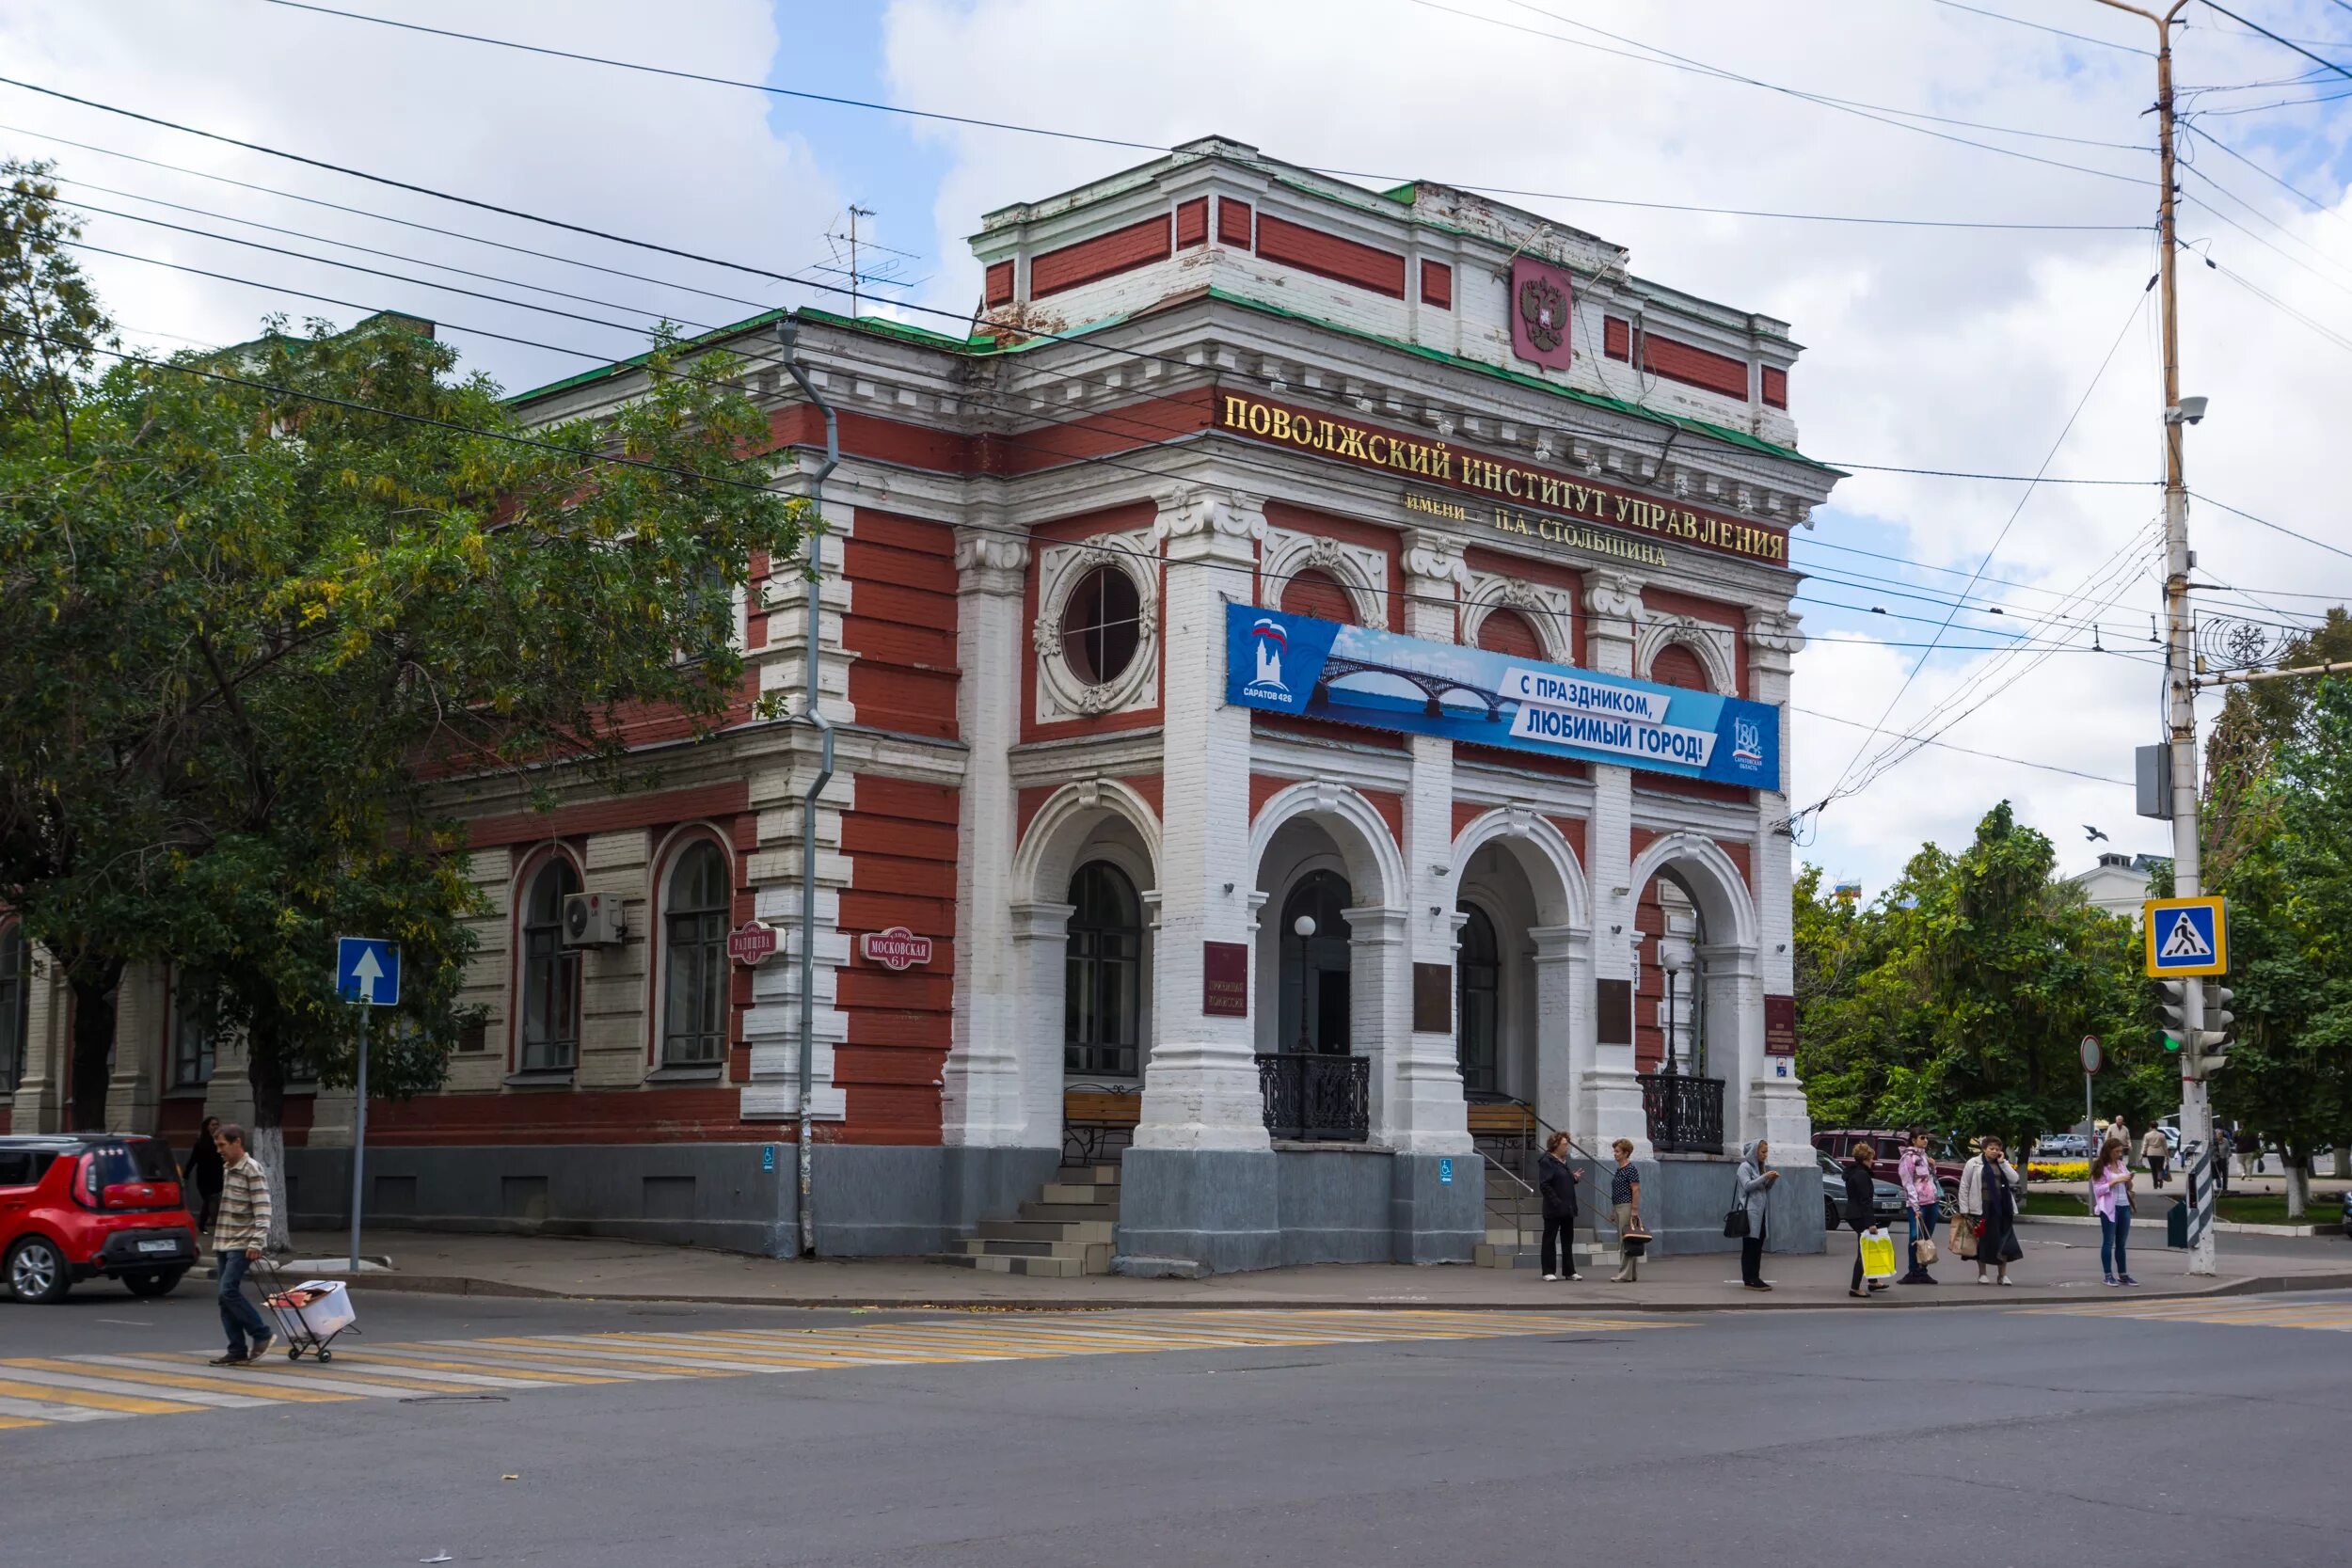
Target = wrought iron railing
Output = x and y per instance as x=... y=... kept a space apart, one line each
x=1313 y=1096
x=1685 y=1113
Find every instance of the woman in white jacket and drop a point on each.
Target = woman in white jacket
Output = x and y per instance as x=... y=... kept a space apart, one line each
x=1989 y=1188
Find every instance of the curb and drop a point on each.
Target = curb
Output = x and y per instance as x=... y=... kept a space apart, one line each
x=460 y=1285
x=2220 y=1227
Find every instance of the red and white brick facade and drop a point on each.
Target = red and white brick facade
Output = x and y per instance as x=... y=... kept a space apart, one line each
x=978 y=770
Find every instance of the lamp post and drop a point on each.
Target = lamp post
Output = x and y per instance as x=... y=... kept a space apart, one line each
x=1674 y=957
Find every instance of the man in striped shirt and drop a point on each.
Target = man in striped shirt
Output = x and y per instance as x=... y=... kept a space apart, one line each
x=238 y=1237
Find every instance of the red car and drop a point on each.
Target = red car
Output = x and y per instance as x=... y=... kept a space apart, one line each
x=75 y=1206
x=1889 y=1147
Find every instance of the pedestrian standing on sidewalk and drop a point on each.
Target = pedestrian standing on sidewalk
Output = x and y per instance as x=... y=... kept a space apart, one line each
x=201 y=1170
x=2111 y=1196
x=1556 y=1180
x=238 y=1239
x=1624 y=1206
x=1752 y=1187
x=2157 y=1151
x=2251 y=1152
x=2222 y=1146
x=1860 y=1188
x=1923 y=1201
x=1988 y=1195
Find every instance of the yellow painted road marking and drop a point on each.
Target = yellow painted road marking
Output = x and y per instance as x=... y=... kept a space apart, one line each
x=2334 y=1315
x=121 y=1404
x=108 y=1387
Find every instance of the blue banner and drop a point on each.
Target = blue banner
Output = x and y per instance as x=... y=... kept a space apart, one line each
x=1357 y=675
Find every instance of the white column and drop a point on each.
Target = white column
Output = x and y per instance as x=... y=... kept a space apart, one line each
x=1420 y=1108
x=1003 y=1075
x=1777 y=1108
x=1200 y=1087
x=1564 y=1032
x=1613 y=606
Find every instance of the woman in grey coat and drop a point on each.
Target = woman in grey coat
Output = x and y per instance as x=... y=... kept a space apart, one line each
x=1755 y=1184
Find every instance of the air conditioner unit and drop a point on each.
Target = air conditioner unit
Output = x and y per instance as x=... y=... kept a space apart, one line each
x=592 y=919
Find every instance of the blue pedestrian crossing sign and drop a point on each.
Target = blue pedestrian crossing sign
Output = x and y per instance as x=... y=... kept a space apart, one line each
x=366 y=970
x=2186 y=936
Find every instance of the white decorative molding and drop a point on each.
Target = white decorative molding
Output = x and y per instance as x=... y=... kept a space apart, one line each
x=1712 y=642
x=1552 y=611
x=1613 y=595
x=1360 y=570
x=1061 y=693
x=1433 y=561
x=990 y=562
x=1773 y=639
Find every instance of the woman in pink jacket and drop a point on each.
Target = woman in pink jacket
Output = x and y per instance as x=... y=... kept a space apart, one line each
x=1922 y=1199
x=2112 y=1195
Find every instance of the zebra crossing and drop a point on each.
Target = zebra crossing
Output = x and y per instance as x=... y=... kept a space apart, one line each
x=2236 y=1312
x=41 y=1390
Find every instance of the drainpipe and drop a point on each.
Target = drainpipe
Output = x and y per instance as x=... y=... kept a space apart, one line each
x=788 y=334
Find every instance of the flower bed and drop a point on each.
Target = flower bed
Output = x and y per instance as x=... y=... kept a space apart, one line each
x=2058 y=1170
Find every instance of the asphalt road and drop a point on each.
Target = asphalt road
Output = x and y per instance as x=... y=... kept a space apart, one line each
x=1978 y=1436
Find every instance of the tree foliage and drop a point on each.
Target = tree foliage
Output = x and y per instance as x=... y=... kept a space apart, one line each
x=263 y=611
x=1958 y=1000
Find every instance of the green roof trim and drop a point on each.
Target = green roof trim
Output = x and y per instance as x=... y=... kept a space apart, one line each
x=1741 y=438
x=1407 y=194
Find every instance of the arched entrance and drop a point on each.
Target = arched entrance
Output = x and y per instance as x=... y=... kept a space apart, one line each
x=1478 y=1002
x=1698 y=999
x=1316 y=981
x=1102 y=976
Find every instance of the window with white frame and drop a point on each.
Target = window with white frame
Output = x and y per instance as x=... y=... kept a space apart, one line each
x=16 y=1004
x=547 y=1034
x=192 y=1034
x=694 y=958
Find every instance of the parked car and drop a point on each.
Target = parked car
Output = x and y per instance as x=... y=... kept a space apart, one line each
x=2061 y=1145
x=1890 y=1145
x=1886 y=1200
x=76 y=1206
x=2347 y=1211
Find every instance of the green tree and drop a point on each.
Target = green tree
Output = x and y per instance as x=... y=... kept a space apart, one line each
x=2289 y=885
x=267 y=612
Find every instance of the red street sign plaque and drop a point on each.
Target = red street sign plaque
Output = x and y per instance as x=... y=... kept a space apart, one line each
x=1780 y=1027
x=895 y=949
x=1224 y=979
x=748 y=944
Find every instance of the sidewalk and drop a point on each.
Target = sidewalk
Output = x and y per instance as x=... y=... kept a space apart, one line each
x=2056 y=1269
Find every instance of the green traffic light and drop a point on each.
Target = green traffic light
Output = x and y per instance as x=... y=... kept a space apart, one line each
x=2173 y=1042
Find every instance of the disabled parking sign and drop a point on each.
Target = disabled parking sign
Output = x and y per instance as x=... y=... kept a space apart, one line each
x=2186 y=937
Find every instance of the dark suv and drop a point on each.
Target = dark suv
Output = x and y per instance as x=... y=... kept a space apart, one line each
x=1837 y=1141
x=75 y=1206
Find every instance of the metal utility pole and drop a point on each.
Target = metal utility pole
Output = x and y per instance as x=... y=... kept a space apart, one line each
x=2180 y=652
x=856 y=213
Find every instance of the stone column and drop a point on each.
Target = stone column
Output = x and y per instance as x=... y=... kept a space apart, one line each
x=1613 y=608
x=1776 y=1106
x=1564 y=1057
x=1422 y=1108
x=1199 y=1183
x=1002 y=1083
x=141 y=1033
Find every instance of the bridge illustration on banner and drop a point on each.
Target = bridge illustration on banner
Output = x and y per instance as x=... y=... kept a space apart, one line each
x=1433 y=686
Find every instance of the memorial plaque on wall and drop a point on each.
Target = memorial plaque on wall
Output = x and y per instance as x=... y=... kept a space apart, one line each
x=1433 y=999
x=1780 y=1027
x=1613 y=1015
x=1225 y=979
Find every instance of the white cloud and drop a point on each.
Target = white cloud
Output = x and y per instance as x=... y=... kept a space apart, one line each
x=1939 y=348
x=687 y=164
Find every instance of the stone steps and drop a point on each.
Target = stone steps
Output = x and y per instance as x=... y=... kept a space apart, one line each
x=1067 y=1230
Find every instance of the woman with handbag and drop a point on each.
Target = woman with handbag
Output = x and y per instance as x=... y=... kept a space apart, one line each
x=1751 y=1197
x=1922 y=1201
x=1988 y=1198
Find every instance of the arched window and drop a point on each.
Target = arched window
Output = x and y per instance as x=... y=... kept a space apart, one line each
x=1102 y=625
x=1507 y=631
x=1478 y=978
x=1102 y=975
x=694 y=908
x=547 y=1034
x=16 y=1004
x=191 y=1034
x=1676 y=665
x=1315 y=971
x=1318 y=594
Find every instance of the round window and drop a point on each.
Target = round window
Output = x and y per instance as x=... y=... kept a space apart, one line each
x=1100 y=625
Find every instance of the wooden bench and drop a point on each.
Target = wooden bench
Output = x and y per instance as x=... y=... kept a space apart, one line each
x=1095 y=1114
x=1502 y=1120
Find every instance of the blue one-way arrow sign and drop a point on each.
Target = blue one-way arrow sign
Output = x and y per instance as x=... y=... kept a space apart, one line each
x=367 y=969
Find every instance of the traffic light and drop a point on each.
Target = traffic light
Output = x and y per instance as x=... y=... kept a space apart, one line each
x=2213 y=1040
x=2172 y=1003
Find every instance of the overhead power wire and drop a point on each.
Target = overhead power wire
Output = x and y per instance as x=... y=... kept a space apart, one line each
x=2276 y=528
x=2214 y=142
x=1967 y=751
x=2137 y=307
x=2282 y=42
x=2043 y=27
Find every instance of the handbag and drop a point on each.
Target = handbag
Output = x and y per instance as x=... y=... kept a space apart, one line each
x=1736 y=1218
x=1963 y=1237
x=1923 y=1251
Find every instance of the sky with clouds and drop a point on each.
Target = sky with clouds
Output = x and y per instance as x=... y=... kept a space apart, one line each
x=1982 y=349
